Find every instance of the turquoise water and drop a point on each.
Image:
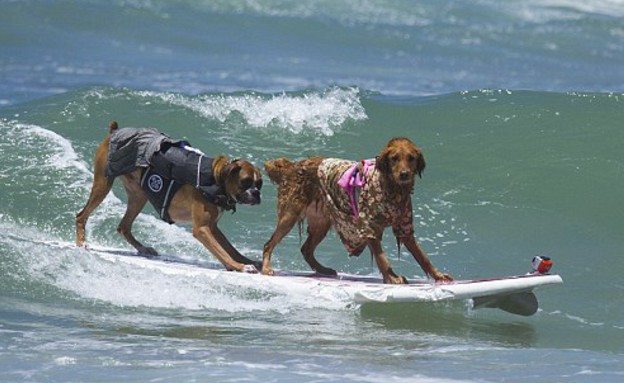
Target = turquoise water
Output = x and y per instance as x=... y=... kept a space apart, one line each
x=516 y=105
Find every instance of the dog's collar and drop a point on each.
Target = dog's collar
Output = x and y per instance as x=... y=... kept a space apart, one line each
x=230 y=203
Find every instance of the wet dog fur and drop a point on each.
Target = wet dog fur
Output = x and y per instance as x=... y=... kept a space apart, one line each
x=300 y=198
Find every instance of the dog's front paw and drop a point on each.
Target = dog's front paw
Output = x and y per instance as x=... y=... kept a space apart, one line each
x=395 y=280
x=251 y=269
x=439 y=277
x=326 y=271
x=147 y=251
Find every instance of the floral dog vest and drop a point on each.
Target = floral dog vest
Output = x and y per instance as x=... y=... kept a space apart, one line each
x=374 y=211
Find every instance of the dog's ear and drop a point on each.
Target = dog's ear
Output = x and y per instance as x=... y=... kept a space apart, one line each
x=382 y=163
x=232 y=170
x=420 y=165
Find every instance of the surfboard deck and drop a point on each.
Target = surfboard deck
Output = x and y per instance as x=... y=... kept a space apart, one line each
x=513 y=294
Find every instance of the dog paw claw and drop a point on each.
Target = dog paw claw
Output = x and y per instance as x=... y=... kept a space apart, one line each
x=268 y=271
x=443 y=278
x=251 y=269
x=398 y=280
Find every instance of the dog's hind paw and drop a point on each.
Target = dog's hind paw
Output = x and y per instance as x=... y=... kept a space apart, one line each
x=395 y=280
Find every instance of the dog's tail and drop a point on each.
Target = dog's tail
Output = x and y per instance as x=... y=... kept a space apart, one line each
x=278 y=169
x=112 y=127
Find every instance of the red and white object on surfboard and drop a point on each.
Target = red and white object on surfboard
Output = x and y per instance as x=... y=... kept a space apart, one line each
x=541 y=264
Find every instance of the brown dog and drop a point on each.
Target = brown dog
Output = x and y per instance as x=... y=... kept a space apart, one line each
x=238 y=181
x=358 y=199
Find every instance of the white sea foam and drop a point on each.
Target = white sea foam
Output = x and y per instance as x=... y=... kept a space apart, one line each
x=65 y=361
x=541 y=11
x=152 y=284
x=62 y=156
x=323 y=112
x=378 y=378
x=348 y=12
x=135 y=282
x=38 y=149
x=578 y=319
x=409 y=14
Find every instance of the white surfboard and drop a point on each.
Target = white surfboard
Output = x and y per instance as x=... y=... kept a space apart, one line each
x=513 y=294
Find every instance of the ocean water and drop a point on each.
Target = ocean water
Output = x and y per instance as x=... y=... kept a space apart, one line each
x=517 y=105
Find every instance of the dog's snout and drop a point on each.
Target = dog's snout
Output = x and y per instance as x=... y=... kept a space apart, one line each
x=250 y=196
x=255 y=193
x=404 y=175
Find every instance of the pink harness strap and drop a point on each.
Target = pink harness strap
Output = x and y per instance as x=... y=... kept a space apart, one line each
x=352 y=179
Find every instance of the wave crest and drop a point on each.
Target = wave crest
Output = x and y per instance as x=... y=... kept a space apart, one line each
x=323 y=112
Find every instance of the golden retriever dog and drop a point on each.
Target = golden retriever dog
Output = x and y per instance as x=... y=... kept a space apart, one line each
x=358 y=199
x=186 y=194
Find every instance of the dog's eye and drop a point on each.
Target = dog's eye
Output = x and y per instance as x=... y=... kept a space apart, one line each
x=247 y=183
x=395 y=158
x=411 y=158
